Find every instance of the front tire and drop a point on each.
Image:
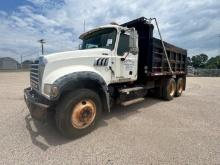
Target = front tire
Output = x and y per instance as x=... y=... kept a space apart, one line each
x=169 y=88
x=78 y=112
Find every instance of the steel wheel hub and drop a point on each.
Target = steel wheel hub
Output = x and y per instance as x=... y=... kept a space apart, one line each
x=83 y=114
x=171 y=89
x=180 y=87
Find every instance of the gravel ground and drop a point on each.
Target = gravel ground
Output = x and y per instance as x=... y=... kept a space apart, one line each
x=183 y=131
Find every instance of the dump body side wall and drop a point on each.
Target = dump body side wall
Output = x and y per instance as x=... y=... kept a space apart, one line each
x=177 y=58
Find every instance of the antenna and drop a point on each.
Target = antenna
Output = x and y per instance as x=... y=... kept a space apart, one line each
x=42 y=41
x=84 y=26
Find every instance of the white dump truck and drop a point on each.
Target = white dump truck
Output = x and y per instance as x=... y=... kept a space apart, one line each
x=115 y=63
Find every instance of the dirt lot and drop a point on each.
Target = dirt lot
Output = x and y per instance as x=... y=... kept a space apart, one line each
x=183 y=131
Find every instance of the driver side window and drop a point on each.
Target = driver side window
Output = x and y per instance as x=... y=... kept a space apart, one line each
x=123 y=45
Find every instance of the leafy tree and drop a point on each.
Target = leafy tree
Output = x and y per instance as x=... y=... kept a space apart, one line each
x=199 y=61
x=213 y=63
x=189 y=61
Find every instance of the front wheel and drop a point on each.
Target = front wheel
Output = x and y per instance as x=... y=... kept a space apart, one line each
x=78 y=112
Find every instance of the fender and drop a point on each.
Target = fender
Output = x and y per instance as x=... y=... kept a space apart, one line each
x=84 y=79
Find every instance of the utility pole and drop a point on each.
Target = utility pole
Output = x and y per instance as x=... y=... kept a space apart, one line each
x=42 y=41
x=21 y=61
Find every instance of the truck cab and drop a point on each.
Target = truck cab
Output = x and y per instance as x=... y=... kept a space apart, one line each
x=107 y=69
x=121 y=43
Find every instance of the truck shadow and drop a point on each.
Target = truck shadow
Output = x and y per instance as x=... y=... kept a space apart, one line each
x=45 y=135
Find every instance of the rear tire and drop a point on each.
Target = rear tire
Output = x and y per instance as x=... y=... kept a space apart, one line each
x=169 y=88
x=179 y=87
x=78 y=112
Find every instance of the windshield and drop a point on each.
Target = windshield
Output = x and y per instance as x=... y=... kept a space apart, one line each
x=104 y=38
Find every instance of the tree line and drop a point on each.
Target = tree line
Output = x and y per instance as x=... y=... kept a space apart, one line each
x=203 y=61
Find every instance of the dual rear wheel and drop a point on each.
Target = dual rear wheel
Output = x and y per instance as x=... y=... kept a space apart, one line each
x=172 y=88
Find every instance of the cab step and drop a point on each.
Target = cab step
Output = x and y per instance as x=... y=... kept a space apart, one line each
x=126 y=94
x=128 y=90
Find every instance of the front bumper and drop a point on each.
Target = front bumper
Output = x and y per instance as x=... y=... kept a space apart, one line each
x=37 y=104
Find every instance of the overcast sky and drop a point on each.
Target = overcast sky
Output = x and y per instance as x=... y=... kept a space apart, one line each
x=193 y=25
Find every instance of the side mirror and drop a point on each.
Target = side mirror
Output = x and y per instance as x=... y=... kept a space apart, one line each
x=133 y=42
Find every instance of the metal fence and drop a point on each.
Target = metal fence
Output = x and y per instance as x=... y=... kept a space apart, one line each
x=204 y=72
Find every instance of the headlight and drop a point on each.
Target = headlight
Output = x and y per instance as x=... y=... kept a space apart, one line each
x=51 y=90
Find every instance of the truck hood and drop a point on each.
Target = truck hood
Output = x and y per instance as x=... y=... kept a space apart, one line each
x=86 y=53
x=64 y=63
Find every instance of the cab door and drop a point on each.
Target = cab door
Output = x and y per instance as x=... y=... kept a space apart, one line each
x=126 y=61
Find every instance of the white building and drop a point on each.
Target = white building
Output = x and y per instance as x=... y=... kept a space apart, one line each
x=8 y=63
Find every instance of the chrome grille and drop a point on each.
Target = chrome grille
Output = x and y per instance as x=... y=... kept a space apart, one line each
x=34 y=75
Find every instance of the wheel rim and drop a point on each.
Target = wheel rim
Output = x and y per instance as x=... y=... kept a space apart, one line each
x=83 y=114
x=180 y=86
x=171 y=89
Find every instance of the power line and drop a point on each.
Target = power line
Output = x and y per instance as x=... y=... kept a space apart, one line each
x=29 y=53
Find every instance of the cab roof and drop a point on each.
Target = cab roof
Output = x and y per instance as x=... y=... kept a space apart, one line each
x=99 y=28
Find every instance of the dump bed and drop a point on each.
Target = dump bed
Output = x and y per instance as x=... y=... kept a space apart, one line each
x=176 y=56
x=152 y=60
